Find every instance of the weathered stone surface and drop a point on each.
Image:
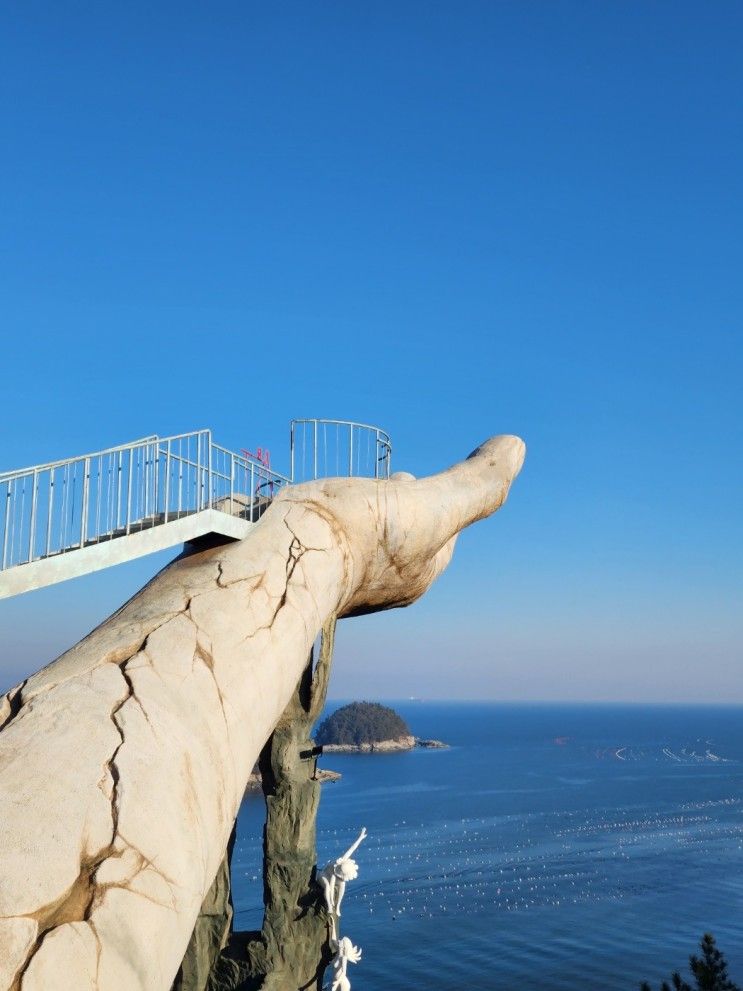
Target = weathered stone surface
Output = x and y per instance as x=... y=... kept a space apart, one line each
x=123 y=763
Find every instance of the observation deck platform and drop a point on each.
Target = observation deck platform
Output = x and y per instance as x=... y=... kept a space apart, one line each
x=69 y=518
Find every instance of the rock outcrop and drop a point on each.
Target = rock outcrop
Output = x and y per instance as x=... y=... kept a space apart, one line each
x=123 y=763
x=384 y=746
x=376 y=746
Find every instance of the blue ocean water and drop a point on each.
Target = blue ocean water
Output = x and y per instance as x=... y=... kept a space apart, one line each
x=552 y=847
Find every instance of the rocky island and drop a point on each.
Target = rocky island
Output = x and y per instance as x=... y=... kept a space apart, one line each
x=368 y=727
x=359 y=728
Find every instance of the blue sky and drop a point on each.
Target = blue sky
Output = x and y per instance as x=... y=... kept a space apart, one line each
x=450 y=219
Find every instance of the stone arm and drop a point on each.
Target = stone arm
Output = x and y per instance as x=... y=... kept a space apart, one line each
x=354 y=846
x=123 y=763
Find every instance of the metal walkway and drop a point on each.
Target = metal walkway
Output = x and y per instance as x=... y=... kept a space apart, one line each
x=69 y=518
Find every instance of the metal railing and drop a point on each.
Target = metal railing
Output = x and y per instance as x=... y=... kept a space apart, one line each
x=65 y=505
x=62 y=506
x=324 y=448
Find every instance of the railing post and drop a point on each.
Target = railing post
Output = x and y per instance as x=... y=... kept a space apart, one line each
x=145 y=486
x=98 y=497
x=180 y=477
x=350 y=451
x=86 y=496
x=232 y=480
x=252 y=492
x=49 y=511
x=156 y=479
x=314 y=450
x=167 y=481
x=197 y=494
x=209 y=483
x=118 y=493
x=63 y=512
x=129 y=491
x=151 y=481
x=7 y=521
x=65 y=507
x=291 y=451
x=32 y=523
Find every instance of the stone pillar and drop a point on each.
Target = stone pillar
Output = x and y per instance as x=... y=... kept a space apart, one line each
x=291 y=951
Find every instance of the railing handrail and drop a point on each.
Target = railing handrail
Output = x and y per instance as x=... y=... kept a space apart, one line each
x=344 y=423
x=48 y=465
x=382 y=442
x=239 y=458
x=252 y=461
x=383 y=436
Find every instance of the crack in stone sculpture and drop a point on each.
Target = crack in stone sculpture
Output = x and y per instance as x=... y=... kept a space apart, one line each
x=137 y=790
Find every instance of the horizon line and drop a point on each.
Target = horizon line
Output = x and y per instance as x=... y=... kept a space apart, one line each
x=486 y=701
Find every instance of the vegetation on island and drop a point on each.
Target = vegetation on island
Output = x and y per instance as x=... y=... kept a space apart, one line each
x=710 y=971
x=361 y=722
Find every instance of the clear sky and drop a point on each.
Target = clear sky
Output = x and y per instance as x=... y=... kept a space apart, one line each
x=452 y=219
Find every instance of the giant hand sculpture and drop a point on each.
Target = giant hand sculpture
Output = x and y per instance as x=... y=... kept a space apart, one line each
x=123 y=763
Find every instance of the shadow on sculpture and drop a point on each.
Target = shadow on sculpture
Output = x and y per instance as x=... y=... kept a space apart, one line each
x=298 y=939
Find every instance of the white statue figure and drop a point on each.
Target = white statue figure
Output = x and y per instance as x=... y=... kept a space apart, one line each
x=345 y=952
x=335 y=874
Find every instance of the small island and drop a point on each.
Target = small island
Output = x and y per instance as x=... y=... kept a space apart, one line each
x=360 y=728
x=368 y=727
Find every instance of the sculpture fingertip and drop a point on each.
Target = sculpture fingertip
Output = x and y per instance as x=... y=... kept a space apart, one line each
x=502 y=446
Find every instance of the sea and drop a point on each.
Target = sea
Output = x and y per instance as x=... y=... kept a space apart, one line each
x=549 y=847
